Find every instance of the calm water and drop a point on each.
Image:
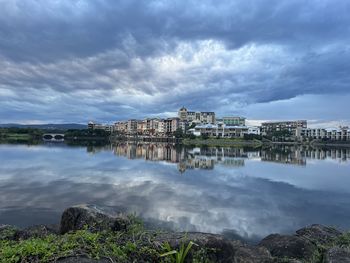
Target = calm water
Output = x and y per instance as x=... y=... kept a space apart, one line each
x=248 y=193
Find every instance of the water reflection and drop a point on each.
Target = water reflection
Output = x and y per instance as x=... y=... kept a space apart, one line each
x=208 y=157
x=239 y=191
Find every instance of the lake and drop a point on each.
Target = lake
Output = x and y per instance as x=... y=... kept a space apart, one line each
x=244 y=193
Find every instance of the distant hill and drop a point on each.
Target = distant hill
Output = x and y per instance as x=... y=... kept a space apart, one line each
x=65 y=126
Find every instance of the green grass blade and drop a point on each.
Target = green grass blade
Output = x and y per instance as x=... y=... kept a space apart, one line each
x=168 y=253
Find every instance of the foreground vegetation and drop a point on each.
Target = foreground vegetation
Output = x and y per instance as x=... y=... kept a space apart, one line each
x=134 y=244
x=88 y=232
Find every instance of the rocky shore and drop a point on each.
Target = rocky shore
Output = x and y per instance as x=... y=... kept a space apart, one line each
x=91 y=234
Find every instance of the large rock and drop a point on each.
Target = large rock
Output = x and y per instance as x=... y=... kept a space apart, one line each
x=250 y=254
x=283 y=246
x=219 y=249
x=337 y=255
x=92 y=217
x=38 y=231
x=319 y=234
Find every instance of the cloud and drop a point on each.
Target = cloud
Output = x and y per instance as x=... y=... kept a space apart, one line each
x=107 y=60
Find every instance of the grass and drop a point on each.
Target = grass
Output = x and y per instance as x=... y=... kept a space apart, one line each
x=177 y=256
x=117 y=246
x=134 y=243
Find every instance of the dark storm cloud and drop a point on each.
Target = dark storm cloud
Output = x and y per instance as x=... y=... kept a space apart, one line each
x=49 y=30
x=123 y=59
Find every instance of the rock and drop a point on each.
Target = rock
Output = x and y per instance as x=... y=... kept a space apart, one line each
x=295 y=247
x=249 y=254
x=319 y=234
x=38 y=231
x=337 y=255
x=219 y=249
x=81 y=259
x=92 y=217
x=8 y=232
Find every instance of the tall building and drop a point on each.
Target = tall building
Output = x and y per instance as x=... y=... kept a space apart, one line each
x=268 y=128
x=183 y=114
x=132 y=126
x=196 y=117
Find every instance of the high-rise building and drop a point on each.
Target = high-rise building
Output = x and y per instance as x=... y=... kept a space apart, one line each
x=196 y=117
x=268 y=128
x=132 y=126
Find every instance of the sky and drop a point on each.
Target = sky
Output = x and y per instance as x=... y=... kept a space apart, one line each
x=107 y=60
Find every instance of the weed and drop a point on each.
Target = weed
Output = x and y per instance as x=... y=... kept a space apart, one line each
x=177 y=256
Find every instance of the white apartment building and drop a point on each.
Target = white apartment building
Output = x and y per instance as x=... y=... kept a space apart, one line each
x=220 y=130
x=336 y=134
x=254 y=130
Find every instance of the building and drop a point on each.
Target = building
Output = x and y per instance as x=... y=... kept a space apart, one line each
x=121 y=126
x=171 y=125
x=196 y=117
x=269 y=128
x=132 y=126
x=96 y=126
x=234 y=121
x=254 y=130
x=160 y=127
x=334 y=134
x=220 y=130
x=183 y=125
x=175 y=124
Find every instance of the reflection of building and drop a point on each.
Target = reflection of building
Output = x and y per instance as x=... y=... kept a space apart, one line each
x=283 y=156
x=209 y=157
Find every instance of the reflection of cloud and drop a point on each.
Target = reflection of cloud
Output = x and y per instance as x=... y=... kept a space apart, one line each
x=45 y=183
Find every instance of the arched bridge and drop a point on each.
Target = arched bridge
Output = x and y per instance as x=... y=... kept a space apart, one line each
x=53 y=137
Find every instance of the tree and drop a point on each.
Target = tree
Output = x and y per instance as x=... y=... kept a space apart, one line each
x=178 y=133
x=192 y=125
x=205 y=136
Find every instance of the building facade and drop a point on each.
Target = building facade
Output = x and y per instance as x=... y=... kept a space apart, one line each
x=132 y=126
x=97 y=126
x=196 y=117
x=220 y=130
x=268 y=128
x=334 y=134
x=234 y=121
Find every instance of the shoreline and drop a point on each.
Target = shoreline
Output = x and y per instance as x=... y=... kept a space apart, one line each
x=219 y=142
x=93 y=234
